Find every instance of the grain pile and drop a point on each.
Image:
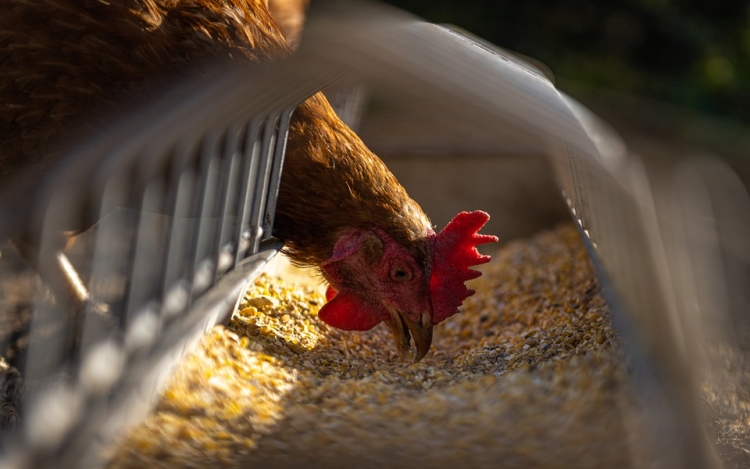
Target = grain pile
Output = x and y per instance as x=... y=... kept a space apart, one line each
x=726 y=392
x=529 y=375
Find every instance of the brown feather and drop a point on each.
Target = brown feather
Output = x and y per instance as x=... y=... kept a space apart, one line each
x=332 y=181
x=67 y=64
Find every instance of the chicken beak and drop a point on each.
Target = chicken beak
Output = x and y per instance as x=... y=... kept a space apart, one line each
x=403 y=329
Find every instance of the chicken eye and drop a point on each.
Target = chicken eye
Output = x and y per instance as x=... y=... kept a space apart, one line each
x=400 y=273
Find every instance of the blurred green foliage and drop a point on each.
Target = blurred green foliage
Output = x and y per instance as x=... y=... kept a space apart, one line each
x=688 y=53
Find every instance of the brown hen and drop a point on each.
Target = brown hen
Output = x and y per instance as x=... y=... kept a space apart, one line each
x=65 y=65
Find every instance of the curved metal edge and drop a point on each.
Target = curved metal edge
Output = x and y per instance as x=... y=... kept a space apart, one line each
x=89 y=445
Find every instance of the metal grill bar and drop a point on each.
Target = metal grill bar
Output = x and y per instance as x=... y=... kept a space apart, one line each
x=182 y=221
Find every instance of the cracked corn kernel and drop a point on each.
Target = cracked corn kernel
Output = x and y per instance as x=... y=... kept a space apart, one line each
x=513 y=378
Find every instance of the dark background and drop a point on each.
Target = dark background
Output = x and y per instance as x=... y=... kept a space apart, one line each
x=679 y=67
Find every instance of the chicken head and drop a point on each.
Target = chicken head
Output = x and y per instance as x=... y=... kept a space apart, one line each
x=374 y=279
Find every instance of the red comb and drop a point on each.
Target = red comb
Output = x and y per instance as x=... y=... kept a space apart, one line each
x=454 y=251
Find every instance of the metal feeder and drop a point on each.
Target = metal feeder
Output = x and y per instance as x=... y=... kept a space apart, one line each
x=186 y=188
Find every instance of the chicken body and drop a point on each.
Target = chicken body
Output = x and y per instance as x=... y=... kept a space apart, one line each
x=66 y=65
x=331 y=182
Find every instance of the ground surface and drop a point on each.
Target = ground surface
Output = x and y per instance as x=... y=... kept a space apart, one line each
x=530 y=375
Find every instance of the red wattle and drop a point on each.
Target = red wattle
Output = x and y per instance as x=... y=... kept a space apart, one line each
x=348 y=312
x=330 y=293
